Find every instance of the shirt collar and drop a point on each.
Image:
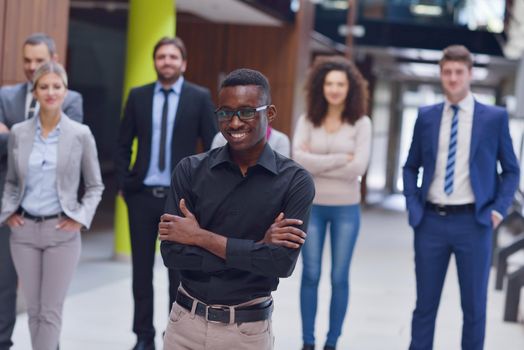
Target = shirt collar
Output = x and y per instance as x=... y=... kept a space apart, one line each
x=39 y=124
x=176 y=87
x=466 y=104
x=266 y=160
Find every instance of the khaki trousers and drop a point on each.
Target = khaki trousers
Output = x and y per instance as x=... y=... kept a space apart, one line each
x=187 y=331
x=45 y=260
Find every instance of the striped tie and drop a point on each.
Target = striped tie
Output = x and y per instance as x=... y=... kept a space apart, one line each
x=32 y=108
x=452 y=152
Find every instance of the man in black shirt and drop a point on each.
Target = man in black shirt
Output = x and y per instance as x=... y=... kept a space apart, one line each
x=235 y=218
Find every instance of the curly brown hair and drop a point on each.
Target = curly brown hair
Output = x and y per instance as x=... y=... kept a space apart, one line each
x=356 y=100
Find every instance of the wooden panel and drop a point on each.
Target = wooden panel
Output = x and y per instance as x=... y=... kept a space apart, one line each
x=281 y=53
x=23 y=17
x=269 y=50
x=216 y=49
x=3 y=5
x=205 y=47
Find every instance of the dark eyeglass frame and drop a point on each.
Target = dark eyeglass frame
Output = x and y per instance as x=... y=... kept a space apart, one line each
x=244 y=114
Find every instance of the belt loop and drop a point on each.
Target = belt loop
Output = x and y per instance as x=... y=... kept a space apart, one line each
x=231 y=315
x=193 y=308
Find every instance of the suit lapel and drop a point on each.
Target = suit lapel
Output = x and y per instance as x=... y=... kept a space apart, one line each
x=182 y=106
x=147 y=103
x=65 y=146
x=26 y=146
x=478 y=111
x=436 y=118
x=19 y=104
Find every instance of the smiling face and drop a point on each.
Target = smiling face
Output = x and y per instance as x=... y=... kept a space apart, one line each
x=50 y=91
x=456 y=80
x=336 y=88
x=34 y=56
x=245 y=135
x=169 y=63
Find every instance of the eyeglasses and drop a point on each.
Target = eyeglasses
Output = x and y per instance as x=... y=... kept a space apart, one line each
x=244 y=114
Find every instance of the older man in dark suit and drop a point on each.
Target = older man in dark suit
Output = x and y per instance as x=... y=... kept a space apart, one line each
x=17 y=104
x=167 y=117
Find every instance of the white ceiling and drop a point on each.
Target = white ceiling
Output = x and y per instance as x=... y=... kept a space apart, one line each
x=221 y=11
x=227 y=11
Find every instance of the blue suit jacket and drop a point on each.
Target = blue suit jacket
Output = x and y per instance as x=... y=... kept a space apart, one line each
x=490 y=143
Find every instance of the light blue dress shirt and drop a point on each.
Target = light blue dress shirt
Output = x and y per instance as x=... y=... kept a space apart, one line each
x=41 y=192
x=154 y=176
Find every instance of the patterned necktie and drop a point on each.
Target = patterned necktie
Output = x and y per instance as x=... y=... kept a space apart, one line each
x=163 y=131
x=452 y=152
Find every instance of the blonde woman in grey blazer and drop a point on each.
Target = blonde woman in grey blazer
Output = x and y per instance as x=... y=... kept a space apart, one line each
x=47 y=156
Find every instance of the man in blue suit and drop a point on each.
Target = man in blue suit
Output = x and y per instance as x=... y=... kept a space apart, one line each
x=458 y=144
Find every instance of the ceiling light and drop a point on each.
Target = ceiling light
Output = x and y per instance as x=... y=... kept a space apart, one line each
x=426 y=10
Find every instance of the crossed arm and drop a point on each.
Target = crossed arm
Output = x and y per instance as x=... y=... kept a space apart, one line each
x=187 y=246
x=344 y=166
x=194 y=248
x=186 y=230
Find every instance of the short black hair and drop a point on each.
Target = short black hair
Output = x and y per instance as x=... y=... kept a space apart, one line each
x=246 y=76
x=41 y=38
x=179 y=44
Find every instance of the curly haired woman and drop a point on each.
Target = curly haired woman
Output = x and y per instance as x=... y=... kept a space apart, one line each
x=333 y=142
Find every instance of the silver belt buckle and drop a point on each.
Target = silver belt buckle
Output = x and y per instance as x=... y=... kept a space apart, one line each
x=158 y=192
x=441 y=210
x=217 y=308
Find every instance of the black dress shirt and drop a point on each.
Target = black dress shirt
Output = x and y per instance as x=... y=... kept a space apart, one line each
x=240 y=208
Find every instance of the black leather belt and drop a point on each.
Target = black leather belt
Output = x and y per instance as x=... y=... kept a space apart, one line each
x=444 y=210
x=39 y=218
x=157 y=191
x=222 y=314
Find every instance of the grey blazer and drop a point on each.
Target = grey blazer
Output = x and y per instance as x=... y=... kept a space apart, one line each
x=12 y=108
x=77 y=157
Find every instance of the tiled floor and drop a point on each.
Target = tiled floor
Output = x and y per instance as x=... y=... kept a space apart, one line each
x=98 y=311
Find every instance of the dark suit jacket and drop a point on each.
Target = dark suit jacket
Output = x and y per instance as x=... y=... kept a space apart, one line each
x=490 y=143
x=194 y=119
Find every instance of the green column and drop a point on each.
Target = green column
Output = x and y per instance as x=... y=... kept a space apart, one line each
x=148 y=21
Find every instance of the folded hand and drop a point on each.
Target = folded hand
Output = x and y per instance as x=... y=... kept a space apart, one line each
x=284 y=233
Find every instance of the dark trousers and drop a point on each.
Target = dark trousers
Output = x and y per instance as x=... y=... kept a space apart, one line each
x=144 y=214
x=436 y=238
x=8 y=283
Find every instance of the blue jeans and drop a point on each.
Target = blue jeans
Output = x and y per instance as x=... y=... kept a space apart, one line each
x=344 y=223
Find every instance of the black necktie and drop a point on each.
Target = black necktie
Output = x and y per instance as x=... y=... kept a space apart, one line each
x=163 y=131
x=32 y=107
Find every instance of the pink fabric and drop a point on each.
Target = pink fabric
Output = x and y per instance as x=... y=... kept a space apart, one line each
x=268 y=132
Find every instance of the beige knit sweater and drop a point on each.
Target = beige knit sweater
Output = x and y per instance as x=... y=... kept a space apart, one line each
x=325 y=156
